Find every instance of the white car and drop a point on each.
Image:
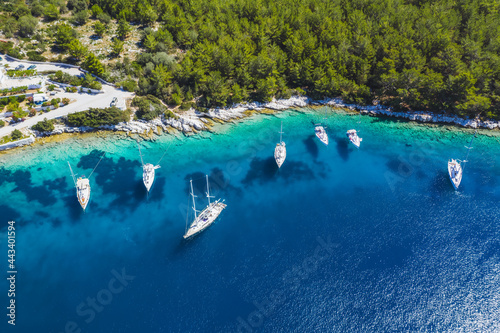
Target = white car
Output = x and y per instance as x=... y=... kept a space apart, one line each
x=114 y=101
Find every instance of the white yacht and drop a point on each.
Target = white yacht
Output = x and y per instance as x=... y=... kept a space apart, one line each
x=148 y=172
x=83 y=191
x=321 y=134
x=82 y=186
x=206 y=217
x=280 y=150
x=455 y=172
x=354 y=138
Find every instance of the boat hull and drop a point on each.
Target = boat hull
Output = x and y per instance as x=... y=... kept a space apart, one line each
x=205 y=219
x=280 y=153
x=352 y=135
x=148 y=175
x=321 y=134
x=455 y=173
x=83 y=192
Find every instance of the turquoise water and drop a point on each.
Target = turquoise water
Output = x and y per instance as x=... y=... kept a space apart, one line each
x=338 y=239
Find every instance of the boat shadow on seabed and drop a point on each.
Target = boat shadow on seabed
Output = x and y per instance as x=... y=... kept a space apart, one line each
x=343 y=148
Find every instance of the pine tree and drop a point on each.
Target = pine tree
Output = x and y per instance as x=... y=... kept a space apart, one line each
x=93 y=65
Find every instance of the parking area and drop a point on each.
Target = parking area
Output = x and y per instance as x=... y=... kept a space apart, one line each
x=81 y=100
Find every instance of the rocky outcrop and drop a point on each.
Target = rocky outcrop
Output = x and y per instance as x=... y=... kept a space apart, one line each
x=420 y=116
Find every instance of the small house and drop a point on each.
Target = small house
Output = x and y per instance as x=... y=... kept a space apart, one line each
x=39 y=98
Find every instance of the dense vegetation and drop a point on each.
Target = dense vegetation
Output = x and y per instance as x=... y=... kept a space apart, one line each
x=98 y=117
x=440 y=55
x=88 y=81
x=148 y=107
x=44 y=125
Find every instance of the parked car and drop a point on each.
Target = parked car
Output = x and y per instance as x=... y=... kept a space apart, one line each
x=114 y=101
x=31 y=67
x=20 y=67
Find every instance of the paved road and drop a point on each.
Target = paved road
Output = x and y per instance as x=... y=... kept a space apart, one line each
x=83 y=102
x=41 y=68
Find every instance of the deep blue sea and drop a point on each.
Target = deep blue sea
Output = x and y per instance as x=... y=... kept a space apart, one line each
x=337 y=240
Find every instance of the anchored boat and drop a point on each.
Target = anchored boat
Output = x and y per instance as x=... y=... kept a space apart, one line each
x=321 y=133
x=280 y=150
x=207 y=216
x=354 y=138
x=455 y=169
x=82 y=185
x=148 y=172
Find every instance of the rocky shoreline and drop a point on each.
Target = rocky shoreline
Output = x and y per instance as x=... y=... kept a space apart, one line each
x=192 y=120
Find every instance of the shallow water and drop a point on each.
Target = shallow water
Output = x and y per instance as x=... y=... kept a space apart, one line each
x=338 y=239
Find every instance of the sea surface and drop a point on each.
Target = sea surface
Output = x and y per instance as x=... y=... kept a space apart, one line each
x=337 y=240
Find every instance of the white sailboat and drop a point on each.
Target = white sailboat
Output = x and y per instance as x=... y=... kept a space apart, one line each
x=207 y=215
x=82 y=185
x=148 y=172
x=321 y=133
x=353 y=136
x=280 y=150
x=455 y=169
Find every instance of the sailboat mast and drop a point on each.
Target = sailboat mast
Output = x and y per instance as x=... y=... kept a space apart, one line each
x=192 y=195
x=470 y=146
x=208 y=192
x=140 y=154
x=281 y=132
x=72 y=174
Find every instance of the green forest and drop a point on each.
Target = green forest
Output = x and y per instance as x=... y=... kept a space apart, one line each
x=440 y=56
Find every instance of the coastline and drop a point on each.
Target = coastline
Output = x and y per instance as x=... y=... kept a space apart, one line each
x=193 y=121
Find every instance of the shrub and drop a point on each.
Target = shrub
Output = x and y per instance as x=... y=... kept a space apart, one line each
x=15 y=52
x=35 y=56
x=169 y=114
x=96 y=10
x=16 y=135
x=175 y=99
x=37 y=10
x=80 y=18
x=65 y=101
x=104 y=18
x=99 y=28
x=27 y=25
x=90 y=82
x=19 y=114
x=2 y=123
x=51 y=12
x=51 y=87
x=129 y=85
x=98 y=117
x=149 y=107
x=186 y=106
x=44 y=126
